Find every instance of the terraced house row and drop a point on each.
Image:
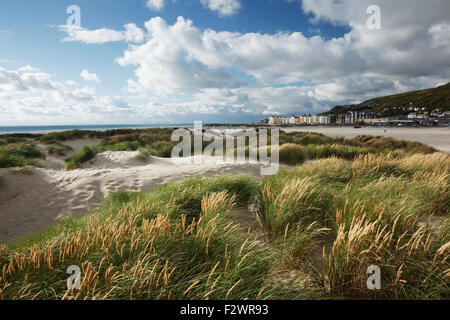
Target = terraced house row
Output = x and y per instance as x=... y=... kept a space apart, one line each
x=350 y=117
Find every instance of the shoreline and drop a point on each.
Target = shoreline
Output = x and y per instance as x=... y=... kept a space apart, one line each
x=11 y=130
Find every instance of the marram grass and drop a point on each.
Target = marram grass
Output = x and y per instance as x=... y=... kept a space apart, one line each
x=178 y=242
x=322 y=224
x=380 y=210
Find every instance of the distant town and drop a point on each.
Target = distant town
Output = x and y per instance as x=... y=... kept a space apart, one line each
x=417 y=116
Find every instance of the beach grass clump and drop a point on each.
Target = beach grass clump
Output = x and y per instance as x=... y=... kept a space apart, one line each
x=289 y=202
x=53 y=137
x=155 y=142
x=414 y=264
x=119 y=146
x=25 y=150
x=380 y=144
x=133 y=140
x=379 y=210
x=86 y=154
x=145 y=154
x=292 y=154
x=4 y=140
x=11 y=161
x=59 y=149
x=159 y=149
x=313 y=151
x=309 y=138
x=20 y=155
x=374 y=144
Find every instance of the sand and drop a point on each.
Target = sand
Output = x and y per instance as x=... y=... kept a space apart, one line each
x=31 y=202
x=438 y=138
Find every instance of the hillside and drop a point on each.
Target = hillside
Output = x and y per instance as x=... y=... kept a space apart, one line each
x=434 y=98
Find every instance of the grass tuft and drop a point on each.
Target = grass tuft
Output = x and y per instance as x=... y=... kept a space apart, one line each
x=59 y=149
x=75 y=161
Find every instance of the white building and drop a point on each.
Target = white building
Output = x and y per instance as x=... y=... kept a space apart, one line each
x=273 y=120
x=292 y=120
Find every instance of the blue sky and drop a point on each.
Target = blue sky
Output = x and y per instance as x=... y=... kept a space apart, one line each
x=215 y=64
x=34 y=39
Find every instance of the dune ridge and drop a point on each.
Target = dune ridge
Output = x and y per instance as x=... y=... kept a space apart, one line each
x=31 y=201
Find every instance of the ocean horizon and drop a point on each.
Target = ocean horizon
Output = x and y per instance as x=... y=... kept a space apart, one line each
x=56 y=128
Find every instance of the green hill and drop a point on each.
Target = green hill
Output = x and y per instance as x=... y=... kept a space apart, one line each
x=434 y=98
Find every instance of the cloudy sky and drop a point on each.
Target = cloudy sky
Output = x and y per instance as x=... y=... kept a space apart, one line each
x=176 y=61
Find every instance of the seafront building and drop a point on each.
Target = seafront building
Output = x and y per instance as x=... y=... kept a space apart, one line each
x=418 y=117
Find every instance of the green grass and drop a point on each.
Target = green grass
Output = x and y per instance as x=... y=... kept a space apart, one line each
x=25 y=150
x=11 y=160
x=159 y=149
x=19 y=155
x=75 y=161
x=380 y=144
x=296 y=148
x=59 y=149
x=335 y=150
x=53 y=137
x=292 y=154
x=376 y=210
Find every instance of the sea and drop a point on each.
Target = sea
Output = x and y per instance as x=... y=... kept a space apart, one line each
x=48 y=129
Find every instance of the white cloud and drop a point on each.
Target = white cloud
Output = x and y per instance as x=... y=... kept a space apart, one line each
x=155 y=4
x=30 y=96
x=175 y=60
x=87 y=76
x=223 y=7
x=440 y=34
x=181 y=58
x=25 y=79
x=132 y=33
x=189 y=72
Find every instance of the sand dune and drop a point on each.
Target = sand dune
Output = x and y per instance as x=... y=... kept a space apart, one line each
x=31 y=202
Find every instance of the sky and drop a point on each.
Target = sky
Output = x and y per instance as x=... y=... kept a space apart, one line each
x=180 y=61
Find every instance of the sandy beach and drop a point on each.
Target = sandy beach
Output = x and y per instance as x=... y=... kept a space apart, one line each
x=438 y=138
